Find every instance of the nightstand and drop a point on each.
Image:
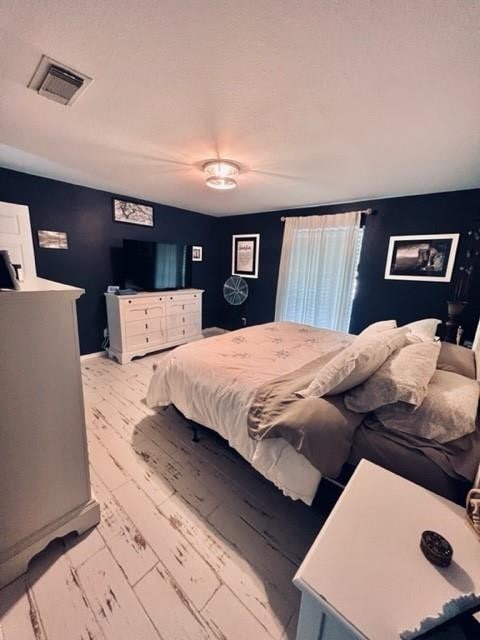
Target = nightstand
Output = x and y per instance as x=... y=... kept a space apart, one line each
x=365 y=576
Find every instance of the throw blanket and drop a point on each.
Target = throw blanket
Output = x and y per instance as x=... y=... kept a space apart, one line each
x=321 y=429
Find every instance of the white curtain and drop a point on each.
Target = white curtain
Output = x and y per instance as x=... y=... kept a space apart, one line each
x=318 y=268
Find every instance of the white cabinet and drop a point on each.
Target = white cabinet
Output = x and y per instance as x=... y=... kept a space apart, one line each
x=152 y=321
x=44 y=478
x=365 y=576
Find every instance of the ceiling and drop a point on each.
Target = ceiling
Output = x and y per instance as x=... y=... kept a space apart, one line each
x=319 y=101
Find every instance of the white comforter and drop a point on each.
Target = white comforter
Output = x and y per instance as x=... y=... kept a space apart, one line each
x=213 y=382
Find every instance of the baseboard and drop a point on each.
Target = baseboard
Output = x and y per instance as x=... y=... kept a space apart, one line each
x=213 y=331
x=97 y=354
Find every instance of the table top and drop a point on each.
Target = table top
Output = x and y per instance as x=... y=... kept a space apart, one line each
x=366 y=562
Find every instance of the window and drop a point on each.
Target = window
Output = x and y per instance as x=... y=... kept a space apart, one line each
x=318 y=268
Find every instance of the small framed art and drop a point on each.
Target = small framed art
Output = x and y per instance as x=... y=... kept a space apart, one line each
x=132 y=212
x=52 y=239
x=197 y=254
x=245 y=252
x=427 y=258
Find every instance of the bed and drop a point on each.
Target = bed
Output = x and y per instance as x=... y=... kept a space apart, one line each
x=215 y=382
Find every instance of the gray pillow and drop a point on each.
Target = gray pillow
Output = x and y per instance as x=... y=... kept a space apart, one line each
x=457 y=360
x=403 y=377
x=447 y=413
x=355 y=364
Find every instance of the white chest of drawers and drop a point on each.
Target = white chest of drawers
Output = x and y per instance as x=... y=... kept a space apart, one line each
x=151 y=321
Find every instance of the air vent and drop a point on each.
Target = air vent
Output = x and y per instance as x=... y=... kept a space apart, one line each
x=58 y=82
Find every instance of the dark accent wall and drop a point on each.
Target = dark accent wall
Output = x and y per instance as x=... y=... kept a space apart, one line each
x=376 y=297
x=86 y=215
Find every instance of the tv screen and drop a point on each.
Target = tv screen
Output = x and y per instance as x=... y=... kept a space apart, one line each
x=155 y=266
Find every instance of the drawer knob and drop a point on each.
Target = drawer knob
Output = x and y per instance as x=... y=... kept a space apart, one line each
x=171 y=297
x=160 y=299
x=184 y=332
x=146 y=339
x=183 y=319
x=146 y=326
x=146 y=311
x=129 y=302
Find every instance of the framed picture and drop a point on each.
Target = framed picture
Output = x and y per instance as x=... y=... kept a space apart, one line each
x=245 y=250
x=197 y=254
x=425 y=258
x=52 y=240
x=132 y=212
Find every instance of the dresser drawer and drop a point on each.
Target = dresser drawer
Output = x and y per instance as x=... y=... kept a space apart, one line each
x=179 y=307
x=141 y=301
x=137 y=342
x=182 y=320
x=144 y=326
x=178 y=333
x=141 y=313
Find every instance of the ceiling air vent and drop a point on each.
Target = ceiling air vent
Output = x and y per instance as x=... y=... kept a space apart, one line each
x=58 y=82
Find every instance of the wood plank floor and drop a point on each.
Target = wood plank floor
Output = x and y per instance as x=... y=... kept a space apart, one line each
x=193 y=543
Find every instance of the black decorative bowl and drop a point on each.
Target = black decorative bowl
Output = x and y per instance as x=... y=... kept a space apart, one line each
x=436 y=549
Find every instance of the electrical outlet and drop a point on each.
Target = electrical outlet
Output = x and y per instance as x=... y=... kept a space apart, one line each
x=244 y=322
x=105 y=333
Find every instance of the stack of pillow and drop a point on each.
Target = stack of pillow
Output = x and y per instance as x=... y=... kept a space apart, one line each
x=413 y=382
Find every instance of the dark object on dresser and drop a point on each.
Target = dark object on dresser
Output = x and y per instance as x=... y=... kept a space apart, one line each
x=436 y=549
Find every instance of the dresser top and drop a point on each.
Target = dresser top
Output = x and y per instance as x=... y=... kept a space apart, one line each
x=40 y=285
x=148 y=294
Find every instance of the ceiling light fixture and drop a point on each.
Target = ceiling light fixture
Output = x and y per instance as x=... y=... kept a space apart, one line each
x=221 y=174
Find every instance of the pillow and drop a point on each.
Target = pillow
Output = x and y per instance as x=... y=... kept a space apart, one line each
x=355 y=364
x=447 y=413
x=457 y=360
x=383 y=325
x=403 y=377
x=422 y=330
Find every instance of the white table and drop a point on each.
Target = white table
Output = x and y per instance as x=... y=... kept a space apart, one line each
x=365 y=575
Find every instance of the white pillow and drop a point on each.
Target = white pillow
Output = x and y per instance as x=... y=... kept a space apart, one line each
x=403 y=377
x=376 y=327
x=447 y=413
x=355 y=364
x=422 y=330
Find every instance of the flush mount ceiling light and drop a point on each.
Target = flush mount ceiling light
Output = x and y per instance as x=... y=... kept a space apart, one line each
x=221 y=174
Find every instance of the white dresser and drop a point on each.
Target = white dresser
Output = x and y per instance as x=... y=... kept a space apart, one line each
x=152 y=321
x=44 y=479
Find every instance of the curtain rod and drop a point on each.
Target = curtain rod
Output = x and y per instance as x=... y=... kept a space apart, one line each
x=367 y=212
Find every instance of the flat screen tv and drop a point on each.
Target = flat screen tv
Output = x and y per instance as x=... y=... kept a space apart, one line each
x=155 y=266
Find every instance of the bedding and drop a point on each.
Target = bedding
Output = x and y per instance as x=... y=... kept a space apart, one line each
x=457 y=359
x=356 y=363
x=403 y=377
x=448 y=412
x=376 y=327
x=423 y=330
x=244 y=385
x=214 y=381
x=321 y=429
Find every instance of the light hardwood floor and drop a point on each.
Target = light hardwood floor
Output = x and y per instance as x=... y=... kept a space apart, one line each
x=193 y=543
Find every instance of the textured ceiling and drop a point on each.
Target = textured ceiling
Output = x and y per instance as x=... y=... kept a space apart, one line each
x=318 y=101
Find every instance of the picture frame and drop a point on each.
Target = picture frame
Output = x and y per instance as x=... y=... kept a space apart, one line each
x=132 y=213
x=197 y=254
x=52 y=239
x=424 y=258
x=245 y=254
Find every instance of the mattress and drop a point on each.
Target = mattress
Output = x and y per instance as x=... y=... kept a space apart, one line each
x=213 y=382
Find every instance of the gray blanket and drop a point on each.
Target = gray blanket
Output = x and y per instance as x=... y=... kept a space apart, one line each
x=323 y=429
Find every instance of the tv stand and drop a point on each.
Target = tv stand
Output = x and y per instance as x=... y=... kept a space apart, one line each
x=151 y=321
